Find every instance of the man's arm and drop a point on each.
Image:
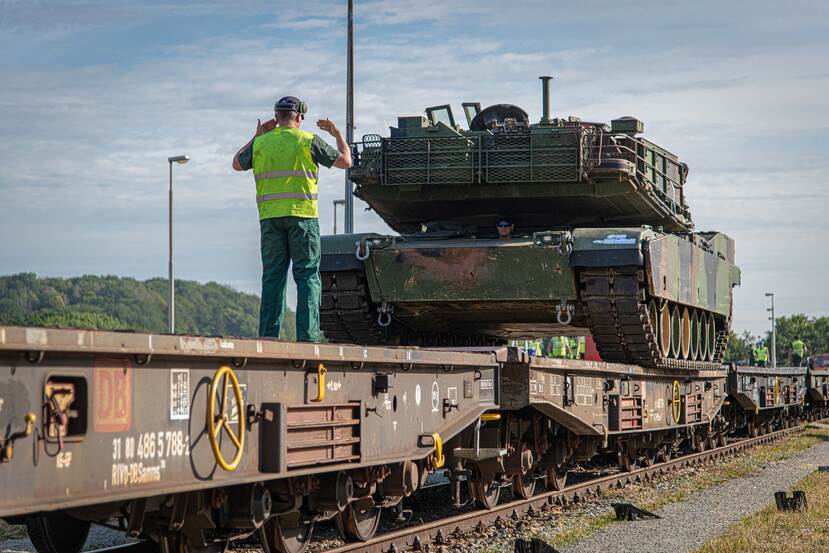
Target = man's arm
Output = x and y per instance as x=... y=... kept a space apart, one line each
x=260 y=130
x=343 y=161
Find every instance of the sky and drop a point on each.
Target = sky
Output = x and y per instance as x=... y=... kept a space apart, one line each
x=96 y=95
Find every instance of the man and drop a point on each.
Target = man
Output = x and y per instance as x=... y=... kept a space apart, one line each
x=798 y=351
x=505 y=229
x=761 y=354
x=285 y=162
x=559 y=346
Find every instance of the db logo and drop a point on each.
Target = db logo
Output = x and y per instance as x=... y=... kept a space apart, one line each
x=113 y=396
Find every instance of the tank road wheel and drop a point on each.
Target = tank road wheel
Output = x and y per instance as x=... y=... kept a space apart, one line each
x=556 y=478
x=485 y=493
x=286 y=534
x=676 y=332
x=57 y=533
x=523 y=486
x=703 y=336
x=359 y=520
x=665 y=330
x=694 y=354
x=653 y=316
x=712 y=337
x=685 y=327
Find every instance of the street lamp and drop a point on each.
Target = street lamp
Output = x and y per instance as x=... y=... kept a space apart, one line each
x=773 y=330
x=171 y=304
x=336 y=203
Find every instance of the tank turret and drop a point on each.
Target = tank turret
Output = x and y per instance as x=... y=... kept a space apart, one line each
x=557 y=171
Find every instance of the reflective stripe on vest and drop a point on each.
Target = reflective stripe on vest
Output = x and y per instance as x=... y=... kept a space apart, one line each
x=285 y=196
x=285 y=174
x=273 y=174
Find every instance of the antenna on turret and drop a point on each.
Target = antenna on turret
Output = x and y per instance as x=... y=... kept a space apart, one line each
x=545 y=99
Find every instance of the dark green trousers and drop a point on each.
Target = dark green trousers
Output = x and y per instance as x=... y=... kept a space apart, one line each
x=294 y=240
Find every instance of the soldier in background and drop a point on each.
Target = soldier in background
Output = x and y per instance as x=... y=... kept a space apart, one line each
x=798 y=351
x=504 y=228
x=761 y=354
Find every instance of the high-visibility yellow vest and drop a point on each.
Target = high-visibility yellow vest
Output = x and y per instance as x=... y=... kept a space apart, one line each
x=573 y=343
x=559 y=346
x=761 y=354
x=285 y=174
x=798 y=347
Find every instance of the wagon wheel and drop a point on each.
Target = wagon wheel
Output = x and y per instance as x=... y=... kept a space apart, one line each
x=217 y=422
x=556 y=478
x=57 y=533
x=699 y=443
x=664 y=453
x=647 y=456
x=286 y=534
x=485 y=493
x=523 y=486
x=627 y=462
x=359 y=520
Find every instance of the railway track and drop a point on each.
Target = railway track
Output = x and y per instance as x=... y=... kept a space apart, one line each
x=443 y=531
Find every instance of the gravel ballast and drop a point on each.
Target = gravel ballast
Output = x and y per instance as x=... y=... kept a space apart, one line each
x=687 y=525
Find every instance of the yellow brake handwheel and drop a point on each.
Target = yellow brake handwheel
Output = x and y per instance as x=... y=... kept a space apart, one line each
x=216 y=422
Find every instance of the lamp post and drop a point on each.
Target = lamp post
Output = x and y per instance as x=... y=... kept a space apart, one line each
x=171 y=303
x=336 y=203
x=773 y=330
x=348 y=206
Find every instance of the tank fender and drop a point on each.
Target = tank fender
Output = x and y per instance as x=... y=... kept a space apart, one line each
x=606 y=247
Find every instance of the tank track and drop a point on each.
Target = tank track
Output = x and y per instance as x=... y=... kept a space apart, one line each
x=615 y=301
x=348 y=316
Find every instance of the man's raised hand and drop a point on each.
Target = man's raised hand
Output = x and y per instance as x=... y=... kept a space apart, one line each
x=328 y=126
x=267 y=126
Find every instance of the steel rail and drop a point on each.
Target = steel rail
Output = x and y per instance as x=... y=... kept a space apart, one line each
x=442 y=531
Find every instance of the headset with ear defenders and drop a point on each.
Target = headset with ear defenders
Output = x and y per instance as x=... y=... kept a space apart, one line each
x=293 y=104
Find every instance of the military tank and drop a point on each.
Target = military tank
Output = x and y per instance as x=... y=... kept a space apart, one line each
x=603 y=240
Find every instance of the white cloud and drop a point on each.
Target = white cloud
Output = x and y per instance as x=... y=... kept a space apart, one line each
x=739 y=96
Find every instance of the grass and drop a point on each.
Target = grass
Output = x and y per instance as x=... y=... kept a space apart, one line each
x=11 y=532
x=779 y=531
x=651 y=497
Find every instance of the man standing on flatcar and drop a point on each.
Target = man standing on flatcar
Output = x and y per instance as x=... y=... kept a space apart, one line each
x=798 y=351
x=285 y=162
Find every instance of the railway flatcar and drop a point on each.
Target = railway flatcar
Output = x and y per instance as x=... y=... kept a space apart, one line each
x=194 y=442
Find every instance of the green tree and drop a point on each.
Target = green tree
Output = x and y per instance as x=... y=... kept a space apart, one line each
x=739 y=347
x=122 y=303
x=814 y=331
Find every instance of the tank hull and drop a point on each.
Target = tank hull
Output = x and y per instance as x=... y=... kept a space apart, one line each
x=599 y=281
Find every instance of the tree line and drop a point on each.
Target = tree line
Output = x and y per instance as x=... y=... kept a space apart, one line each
x=814 y=331
x=122 y=303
